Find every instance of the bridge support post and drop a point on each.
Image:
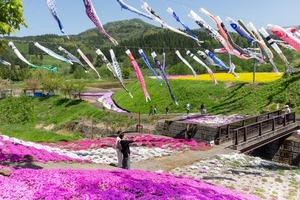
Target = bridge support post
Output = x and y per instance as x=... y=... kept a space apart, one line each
x=245 y=134
x=260 y=129
x=236 y=137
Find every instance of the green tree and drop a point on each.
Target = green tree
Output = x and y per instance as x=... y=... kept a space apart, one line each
x=32 y=84
x=4 y=85
x=50 y=84
x=67 y=88
x=79 y=87
x=11 y=18
x=36 y=61
x=126 y=72
x=79 y=73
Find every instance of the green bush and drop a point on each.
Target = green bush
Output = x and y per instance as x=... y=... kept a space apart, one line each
x=17 y=110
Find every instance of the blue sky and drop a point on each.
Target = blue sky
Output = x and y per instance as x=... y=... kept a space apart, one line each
x=74 y=19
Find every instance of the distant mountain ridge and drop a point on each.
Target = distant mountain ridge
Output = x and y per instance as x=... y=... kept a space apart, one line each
x=120 y=31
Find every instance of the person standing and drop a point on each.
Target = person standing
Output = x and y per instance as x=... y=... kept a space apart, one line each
x=187 y=108
x=167 y=110
x=150 y=111
x=287 y=113
x=154 y=110
x=119 y=149
x=202 y=109
x=125 y=151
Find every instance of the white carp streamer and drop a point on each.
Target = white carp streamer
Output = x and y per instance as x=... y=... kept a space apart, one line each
x=72 y=58
x=112 y=69
x=209 y=71
x=186 y=62
x=116 y=65
x=52 y=53
x=21 y=57
x=88 y=62
x=288 y=67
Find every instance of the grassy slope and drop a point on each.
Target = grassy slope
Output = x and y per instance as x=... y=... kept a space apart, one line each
x=60 y=112
x=226 y=98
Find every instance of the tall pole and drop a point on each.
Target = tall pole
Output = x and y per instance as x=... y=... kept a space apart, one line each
x=254 y=65
x=11 y=92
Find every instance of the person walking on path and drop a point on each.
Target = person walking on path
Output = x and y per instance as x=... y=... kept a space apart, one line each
x=150 y=111
x=125 y=151
x=154 y=110
x=167 y=110
x=118 y=149
x=187 y=108
x=202 y=109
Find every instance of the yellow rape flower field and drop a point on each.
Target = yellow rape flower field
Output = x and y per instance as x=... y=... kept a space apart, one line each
x=243 y=77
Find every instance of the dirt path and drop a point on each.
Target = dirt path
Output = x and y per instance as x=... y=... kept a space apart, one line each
x=185 y=158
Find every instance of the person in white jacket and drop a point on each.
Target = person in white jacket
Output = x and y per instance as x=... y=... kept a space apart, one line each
x=287 y=113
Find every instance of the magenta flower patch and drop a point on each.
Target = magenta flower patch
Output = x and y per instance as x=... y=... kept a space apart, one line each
x=104 y=184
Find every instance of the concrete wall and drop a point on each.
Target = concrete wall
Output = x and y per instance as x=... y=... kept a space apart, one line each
x=182 y=129
x=285 y=150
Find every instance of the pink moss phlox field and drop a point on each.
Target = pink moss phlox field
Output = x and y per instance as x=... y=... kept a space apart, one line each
x=115 y=184
x=19 y=153
x=142 y=140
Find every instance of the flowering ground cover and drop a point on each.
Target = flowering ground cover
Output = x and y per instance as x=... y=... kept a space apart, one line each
x=16 y=150
x=243 y=77
x=251 y=175
x=96 y=151
x=215 y=120
x=141 y=140
x=103 y=184
x=99 y=184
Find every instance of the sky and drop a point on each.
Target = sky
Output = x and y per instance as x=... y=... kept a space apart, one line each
x=74 y=19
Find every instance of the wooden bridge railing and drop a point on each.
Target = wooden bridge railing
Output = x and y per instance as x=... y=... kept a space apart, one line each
x=226 y=132
x=242 y=134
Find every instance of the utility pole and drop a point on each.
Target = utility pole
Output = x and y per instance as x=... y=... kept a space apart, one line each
x=10 y=80
x=254 y=64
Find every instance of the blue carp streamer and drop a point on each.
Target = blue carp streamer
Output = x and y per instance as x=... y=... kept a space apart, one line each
x=179 y=20
x=5 y=62
x=149 y=65
x=163 y=75
x=53 y=9
x=132 y=9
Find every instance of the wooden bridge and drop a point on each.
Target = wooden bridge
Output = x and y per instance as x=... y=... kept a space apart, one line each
x=254 y=132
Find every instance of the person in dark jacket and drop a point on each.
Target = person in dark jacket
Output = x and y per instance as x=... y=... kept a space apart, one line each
x=125 y=151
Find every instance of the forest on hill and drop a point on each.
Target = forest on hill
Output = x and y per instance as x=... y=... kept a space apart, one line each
x=131 y=34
